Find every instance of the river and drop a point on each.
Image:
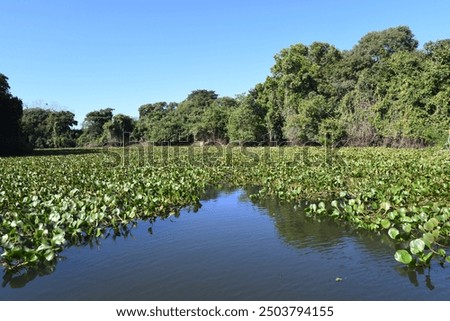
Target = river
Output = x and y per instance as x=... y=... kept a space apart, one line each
x=233 y=249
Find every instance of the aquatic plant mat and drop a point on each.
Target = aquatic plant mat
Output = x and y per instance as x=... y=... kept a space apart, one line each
x=49 y=202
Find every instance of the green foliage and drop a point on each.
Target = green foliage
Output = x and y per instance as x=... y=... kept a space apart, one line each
x=302 y=125
x=379 y=45
x=10 y=113
x=403 y=192
x=119 y=129
x=202 y=116
x=45 y=128
x=159 y=122
x=192 y=109
x=403 y=256
x=50 y=202
x=214 y=121
x=382 y=92
x=332 y=132
x=245 y=122
x=93 y=132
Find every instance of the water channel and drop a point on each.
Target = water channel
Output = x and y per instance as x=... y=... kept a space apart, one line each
x=234 y=249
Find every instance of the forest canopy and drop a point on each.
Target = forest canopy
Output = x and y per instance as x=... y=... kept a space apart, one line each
x=385 y=91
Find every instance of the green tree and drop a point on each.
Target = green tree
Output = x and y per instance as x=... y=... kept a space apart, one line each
x=377 y=45
x=93 y=127
x=213 y=124
x=294 y=71
x=44 y=128
x=304 y=89
x=119 y=129
x=158 y=122
x=35 y=128
x=191 y=111
x=246 y=122
x=10 y=114
x=271 y=99
x=302 y=124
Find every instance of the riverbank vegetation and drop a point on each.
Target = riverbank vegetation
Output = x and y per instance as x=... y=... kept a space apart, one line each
x=385 y=91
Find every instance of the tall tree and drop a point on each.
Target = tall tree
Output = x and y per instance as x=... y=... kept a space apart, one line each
x=158 y=122
x=192 y=109
x=10 y=113
x=377 y=45
x=213 y=124
x=93 y=127
x=246 y=122
x=119 y=128
x=43 y=128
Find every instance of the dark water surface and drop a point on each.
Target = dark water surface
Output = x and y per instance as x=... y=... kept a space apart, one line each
x=233 y=249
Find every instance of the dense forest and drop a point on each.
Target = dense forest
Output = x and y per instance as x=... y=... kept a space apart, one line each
x=385 y=91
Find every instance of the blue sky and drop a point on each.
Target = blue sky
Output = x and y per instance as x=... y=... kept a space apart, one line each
x=83 y=55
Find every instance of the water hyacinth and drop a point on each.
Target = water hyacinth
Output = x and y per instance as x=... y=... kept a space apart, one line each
x=50 y=202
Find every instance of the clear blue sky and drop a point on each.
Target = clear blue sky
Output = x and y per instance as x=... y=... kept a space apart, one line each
x=84 y=55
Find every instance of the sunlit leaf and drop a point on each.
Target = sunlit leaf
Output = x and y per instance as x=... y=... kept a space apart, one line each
x=428 y=238
x=403 y=256
x=385 y=223
x=50 y=255
x=385 y=205
x=393 y=233
x=416 y=246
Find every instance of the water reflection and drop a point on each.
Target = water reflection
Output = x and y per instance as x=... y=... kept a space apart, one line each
x=21 y=276
x=413 y=275
x=233 y=248
x=19 y=280
x=298 y=230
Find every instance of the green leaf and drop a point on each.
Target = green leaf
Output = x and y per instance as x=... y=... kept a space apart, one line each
x=427 y=258
x=406 y=227
x=406 y=219
x=434 y=220
x=436 y=234
x=43 y=247
x=392 y=215
x=393 y=233
x=58 y=239
x=49 y=255
x=403 y=256
x=385 y=223
x=385 y=205
x=54 y=217
x=428 y=238
x=428 y=226
x=416 y=246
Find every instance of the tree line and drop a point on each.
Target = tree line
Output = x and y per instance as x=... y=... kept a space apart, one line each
x=383 y=92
